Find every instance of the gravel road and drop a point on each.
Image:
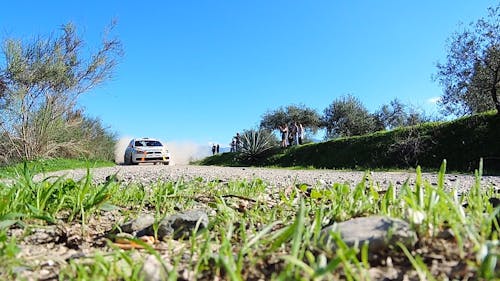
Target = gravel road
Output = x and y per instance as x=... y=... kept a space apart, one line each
x=148 y=173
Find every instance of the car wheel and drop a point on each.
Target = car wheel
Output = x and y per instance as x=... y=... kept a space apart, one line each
x=125 y=160
x=132 y=162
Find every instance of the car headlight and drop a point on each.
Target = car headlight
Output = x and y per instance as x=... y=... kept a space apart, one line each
x=138 y=151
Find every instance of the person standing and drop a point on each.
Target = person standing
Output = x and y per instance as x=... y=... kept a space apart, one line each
x=238 y=142
x=296 y=133
x=213 y=149
x=217 y=149
x=291 y=134
x=301 y=133
x=284 y=134
x=233 y=145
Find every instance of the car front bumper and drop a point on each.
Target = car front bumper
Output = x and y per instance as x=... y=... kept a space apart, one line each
x=150 y=158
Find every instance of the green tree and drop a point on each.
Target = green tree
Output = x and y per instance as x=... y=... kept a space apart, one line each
x=310 y=118
x=471 y=74
x=390 y=116
x=396 y=114
x=39 y=86
x=347 y=116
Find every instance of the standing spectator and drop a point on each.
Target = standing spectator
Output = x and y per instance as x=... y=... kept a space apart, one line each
x=233 y=145
x=291 y=134
x=213 y=149
x=217 y=149
x=284 y=134
x=296 y=133
x=301 y=133
x=238 y=142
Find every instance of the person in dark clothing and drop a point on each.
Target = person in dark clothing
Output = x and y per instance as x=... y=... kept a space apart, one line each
x=238 y=142
x=284 y=134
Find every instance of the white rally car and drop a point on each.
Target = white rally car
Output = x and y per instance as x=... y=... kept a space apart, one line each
x=146 y=150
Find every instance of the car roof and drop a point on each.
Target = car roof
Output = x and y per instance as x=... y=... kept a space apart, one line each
x=146 y=139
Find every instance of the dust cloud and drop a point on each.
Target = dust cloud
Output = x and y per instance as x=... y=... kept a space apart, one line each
x=120 y=147
x=180 y=152
x=185 y=152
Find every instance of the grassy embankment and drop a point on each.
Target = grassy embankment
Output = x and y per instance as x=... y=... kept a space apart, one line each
x=50 y=165
x=462 y=142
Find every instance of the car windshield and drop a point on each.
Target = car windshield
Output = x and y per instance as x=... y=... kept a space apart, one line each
x=148 y=143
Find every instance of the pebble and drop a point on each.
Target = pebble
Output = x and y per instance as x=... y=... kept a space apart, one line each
x=154 y=270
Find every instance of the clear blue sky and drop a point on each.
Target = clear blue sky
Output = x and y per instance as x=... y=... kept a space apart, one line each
x=202 y=70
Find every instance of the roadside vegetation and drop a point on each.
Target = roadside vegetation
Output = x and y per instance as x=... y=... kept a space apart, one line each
x=40 y=82
x=50 y=165
x=463 y=142
x=254 y=231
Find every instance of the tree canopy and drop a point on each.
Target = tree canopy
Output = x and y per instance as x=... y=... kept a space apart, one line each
x=309 y=117
x=396 y=114
x=471 y=74
x=347 y=116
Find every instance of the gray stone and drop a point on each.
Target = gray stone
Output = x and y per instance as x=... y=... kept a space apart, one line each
x=113 y=178
x=379 y=232
x=154 y=270
x=45 y=235
x=138 y=224
x=179 y=225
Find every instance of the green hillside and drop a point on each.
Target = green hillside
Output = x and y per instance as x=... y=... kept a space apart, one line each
x=462 y=142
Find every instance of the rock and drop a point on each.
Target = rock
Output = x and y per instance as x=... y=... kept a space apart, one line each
x=45 y=235
x=138 y=224
x=179 y=225
x=447 y=234
x=379 y=232
x=154 y=270
x=113 y=178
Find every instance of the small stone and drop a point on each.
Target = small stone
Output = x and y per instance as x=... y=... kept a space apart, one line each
x=179 y=225
x=379 y=232
x=45 y=235
x=135 y=225
x=113 y=178
x=446 y=234
x=154 y=270
x=44 y=272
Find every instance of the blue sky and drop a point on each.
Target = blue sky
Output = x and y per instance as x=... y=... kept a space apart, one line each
x=200 y=71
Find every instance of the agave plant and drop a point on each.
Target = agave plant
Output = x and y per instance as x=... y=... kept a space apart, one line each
x=255 y=144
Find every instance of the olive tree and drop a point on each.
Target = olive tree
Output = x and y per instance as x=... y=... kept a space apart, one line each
x=390 y=116
x=471 y=74
x=396 y=114
x=310 y=118
x=40 y=82
x=347 y=116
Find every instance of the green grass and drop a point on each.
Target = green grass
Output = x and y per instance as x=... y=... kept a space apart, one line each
x=50 y=165
x=253 y=234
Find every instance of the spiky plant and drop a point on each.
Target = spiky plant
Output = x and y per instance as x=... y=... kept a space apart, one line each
x=255 y=144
